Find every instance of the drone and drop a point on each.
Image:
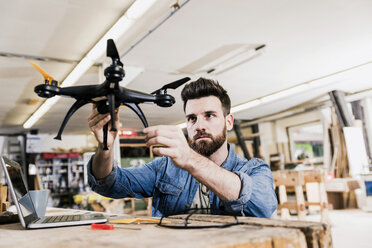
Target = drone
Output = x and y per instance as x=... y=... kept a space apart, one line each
x=107 y=96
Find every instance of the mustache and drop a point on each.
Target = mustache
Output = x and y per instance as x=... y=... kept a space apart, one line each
x=202 y=134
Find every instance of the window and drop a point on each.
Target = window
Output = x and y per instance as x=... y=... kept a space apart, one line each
x=306 y=142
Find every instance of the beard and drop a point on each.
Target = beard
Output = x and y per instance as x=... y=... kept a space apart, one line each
x=207 y=147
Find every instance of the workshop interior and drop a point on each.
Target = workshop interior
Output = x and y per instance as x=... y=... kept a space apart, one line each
x=298 y=73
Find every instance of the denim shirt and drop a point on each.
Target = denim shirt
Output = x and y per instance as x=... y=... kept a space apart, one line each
x=173 y=189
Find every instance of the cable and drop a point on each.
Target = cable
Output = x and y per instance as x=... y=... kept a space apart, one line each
x=186 y=222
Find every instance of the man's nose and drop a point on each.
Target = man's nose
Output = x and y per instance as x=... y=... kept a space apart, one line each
x=200 y=124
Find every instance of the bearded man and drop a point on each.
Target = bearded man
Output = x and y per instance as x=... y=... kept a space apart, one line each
x=201 y=172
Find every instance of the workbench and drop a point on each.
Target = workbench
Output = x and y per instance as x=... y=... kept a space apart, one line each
x=254 y=232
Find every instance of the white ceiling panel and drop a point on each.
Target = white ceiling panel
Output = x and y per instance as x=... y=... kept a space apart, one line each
x=328 y=42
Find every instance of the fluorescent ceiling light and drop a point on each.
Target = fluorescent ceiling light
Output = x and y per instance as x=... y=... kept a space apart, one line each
x=285 y=93
x=233 y=59
x=77 y=72
x=244 y=106
x=41 y=111
x=135 y=11
x=139 y=8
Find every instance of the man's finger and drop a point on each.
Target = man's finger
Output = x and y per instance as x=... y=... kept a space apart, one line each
x=94 y=112
x=159 y=127
x=165 y=131
x=98 y=124
x=94 y=120
x=117 y=114
x=159 y=140
x=163 y=151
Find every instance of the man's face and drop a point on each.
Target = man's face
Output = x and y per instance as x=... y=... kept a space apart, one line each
x=206 y=125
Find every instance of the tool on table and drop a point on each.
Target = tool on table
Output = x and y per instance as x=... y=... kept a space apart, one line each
x=95 y=226
x=136 y=220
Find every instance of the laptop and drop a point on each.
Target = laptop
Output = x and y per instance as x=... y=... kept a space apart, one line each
x=26 y=207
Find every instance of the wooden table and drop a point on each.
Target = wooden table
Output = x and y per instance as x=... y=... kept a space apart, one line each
x=255 y=232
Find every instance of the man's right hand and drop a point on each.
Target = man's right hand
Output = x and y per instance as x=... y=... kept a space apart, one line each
x=96 y=122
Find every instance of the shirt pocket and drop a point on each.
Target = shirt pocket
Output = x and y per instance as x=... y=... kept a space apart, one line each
x=168 y=195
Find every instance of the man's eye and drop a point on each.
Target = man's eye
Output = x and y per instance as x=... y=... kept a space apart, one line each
x=210 y=115
x=191 y=119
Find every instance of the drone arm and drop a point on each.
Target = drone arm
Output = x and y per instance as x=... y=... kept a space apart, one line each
x=78 y=104
x=78 y=92
x=133 y=96
x=138 y=111
x=82 y=91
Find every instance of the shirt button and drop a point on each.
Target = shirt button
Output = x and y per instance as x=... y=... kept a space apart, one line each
x=187 y=205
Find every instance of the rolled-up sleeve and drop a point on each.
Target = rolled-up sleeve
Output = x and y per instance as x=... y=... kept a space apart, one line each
x=135 y=182
x=101 y=186
x=257 y=197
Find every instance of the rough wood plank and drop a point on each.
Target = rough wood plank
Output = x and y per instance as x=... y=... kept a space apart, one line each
x=318 y=235
x=150 y=235
x=284 y=211
x=288 y=178
x=300 y=201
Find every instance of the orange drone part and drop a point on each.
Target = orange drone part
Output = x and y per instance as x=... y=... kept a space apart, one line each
x=46 y=76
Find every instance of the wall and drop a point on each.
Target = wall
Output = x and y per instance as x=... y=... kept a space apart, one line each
x=268 y=140
x=2 y=142
x=49 y=144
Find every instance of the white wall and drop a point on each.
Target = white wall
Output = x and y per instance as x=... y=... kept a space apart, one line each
x=48 y=144
x=2 y=142
x=268 y=140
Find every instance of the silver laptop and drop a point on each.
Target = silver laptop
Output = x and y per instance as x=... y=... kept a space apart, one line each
x=25 y=206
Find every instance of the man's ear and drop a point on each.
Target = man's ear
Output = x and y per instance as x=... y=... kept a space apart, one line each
x=229 y=122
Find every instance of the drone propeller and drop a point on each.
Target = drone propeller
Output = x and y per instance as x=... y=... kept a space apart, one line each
x=173 y=85
x=112 y=52
x=48 y=79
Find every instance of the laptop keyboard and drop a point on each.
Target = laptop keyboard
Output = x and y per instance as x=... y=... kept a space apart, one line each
x=61 y=218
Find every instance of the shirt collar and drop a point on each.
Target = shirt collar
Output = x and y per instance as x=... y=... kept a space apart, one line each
x=230 y=160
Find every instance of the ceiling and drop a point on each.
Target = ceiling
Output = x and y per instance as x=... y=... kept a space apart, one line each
x=328 y=42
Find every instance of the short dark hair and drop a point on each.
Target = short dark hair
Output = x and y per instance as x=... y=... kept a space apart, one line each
x=204 y=87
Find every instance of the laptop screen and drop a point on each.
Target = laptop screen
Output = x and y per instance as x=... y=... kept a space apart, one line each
x=19 y=187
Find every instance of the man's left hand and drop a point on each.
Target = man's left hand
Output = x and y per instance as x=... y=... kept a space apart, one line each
x=173 y=144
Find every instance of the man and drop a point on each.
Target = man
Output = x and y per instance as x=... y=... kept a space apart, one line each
x=203 y=171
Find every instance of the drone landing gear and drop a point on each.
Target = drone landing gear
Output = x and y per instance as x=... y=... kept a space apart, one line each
x=138 y=111
x=105 y=133
x=111 y=101
x=78 y=104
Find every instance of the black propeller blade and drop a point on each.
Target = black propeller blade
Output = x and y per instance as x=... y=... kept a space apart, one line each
x=112 y=52
x=173 y=85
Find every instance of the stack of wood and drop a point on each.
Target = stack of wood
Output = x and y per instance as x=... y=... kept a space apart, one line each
x=3 y=195
x=339 y=164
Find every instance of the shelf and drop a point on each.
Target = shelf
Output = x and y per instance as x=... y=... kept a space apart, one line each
x=58 y=170
x=135 y=141
x=133 y=145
